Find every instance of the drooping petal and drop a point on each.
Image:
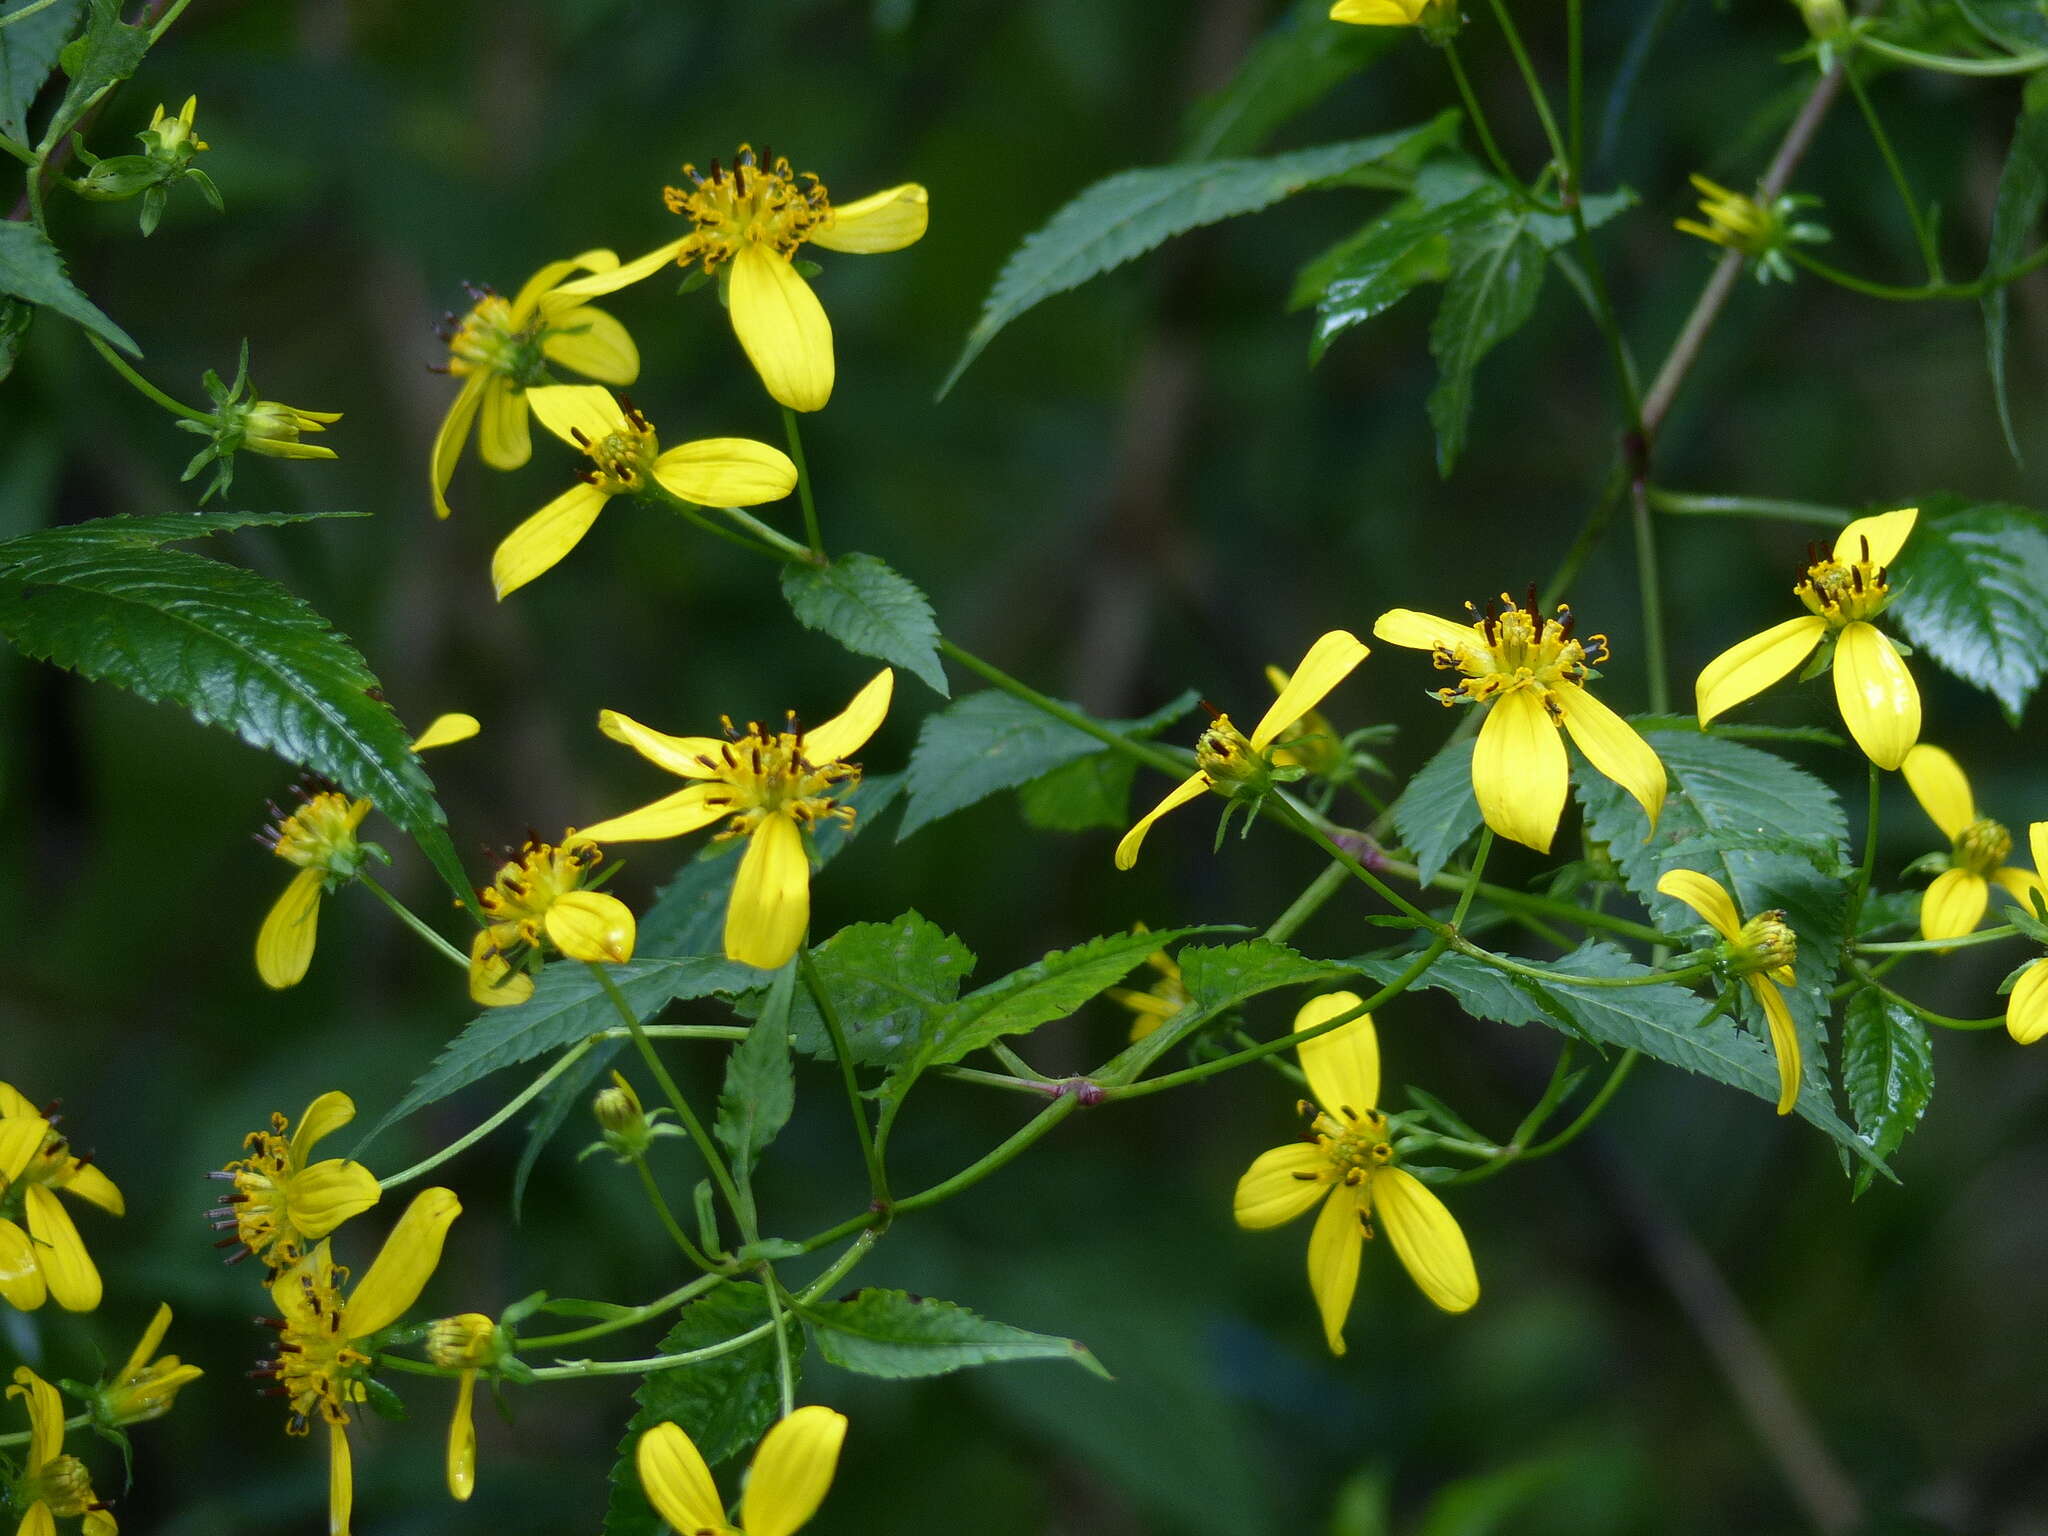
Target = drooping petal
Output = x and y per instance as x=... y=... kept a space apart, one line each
x=285 y=942
x=1333 y=1246
x=537 y=545
x=623 y=276
x=323 y=1117
x=1784 y=1040
x=674 y=815
x=45 y=1417
x=1750 y=666
x=727 y=472
x=1878 y=698
x=325 y=1195
x=567 y=409
x=2022 y=885
x=404 y=1264
x=593 y=343
x=1425 y=632
x=21 y=1281
x=452 y=434
x=771 y=896
x=1614 y=748
x=531 y=292
x=492 y=981
x=1937 y=782
x=1954 y=904
x=882 y=221
x=462 y=1439
x=1876 y=539
x=92 y=1186
x=1520 y=774
x=677 y=1482
x=1706 y=896
x=590 y=925
x=1188 y=789
x=2026 y=1011
x=1328 y=662
x=1280 y=1185
x=1376 y=13
x=1426 y=1239
x=791 y=1471
x=445 y=731
x=848 y=731
x=21 y=1138
x=67 y=1268
x=341 y=1482
x=2037 y=845
x=694 y=757
x=783 y=329
x=503 y=437
x=1343 y=1066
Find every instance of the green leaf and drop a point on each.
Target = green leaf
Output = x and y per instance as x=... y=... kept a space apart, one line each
x=15 y=320
x=31 y=269
x=888 y=982
x=1888 y=1068
x=1092 y=791
x=1973 y=595
x=760 y=1082
x=897 y=1335
x=1298 y=62
x=990 y=741
x=28 y=52
x=108 y=51
x=1496 y=273
x=1366 y=275
x=1223 y=976
x=724 y=1404
x=1132 y=212
x=870 y=610
x=1438 y=811
x=2022 y=192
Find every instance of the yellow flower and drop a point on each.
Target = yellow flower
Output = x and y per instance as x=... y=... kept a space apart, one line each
x=624 y=455
x=175 y=133
x=791 y=1472
x=320 y=1363
x=282 y=1201
x=1351 y=1164
x=1762 y=952
x=1875 y=692
x=272 y=427
x=1760 y=231
x=500 y=350
x=1382 y=13
x=1533 y=673
x=1158 y=1002
x=774 y=785
x=1978 y=848
x=320 y=838
x=145 y=1387
x=2026 y=1010
x=1227 y=758
x=468 y=1341
x=52 y=1486
x=747 y=225
x=49 y=1258
x=542 y=897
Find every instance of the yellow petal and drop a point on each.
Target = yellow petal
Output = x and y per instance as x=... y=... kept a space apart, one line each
x=622 y=276
x=671 y=816
x=1280 y=1185
x=37 y=1522
x=21 y=1137
x=2026 y=1011
x=528 y=299
x=492 y=981
x=21 y=1281
x=445 y=731
x=537 y=545
x=1706 y=896
x=589 y=925
x=341 y=1482
x=1188 y=789
x=771 y=896
x=1343 y=1066
x=791 y=1471
x=502 y=438
x=101 y=1522
x=848 y=731
x=1954 y=904
x=1328 y=662
x=89 y=1184
x=1613 y=748
x=45 y=1417
x=1519 y=770
x=462 y=1439
x=783 y=329
x=452 y=434
x=1876 y=539
x=1333 y=1246
x=284 y=944
x=404 y=1264
x=323 y=1117
x=1937 y=782
x=882 y=221
x=2021 y=885
x=593 y=343
x=325 y=1195
x=2037 y=844
x=1746 y=669
x=726 y=472
x=677 y=1482
x=152 y=1336
x=1784 y=1040
x=1376 y=13
x=1876 y=694
x=67 y=1268
x=569 y=409
x=14 y=1102
x=694 y=757
x=1426 y=1239
x=1425 y=632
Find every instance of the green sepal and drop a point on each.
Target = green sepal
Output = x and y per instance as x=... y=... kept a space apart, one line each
x=384 y=1402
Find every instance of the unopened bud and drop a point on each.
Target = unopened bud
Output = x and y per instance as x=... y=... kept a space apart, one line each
x=1766 y=943
x=468 y=1341
x=627 y=1130
x=1825 y=19
x=1982 y=847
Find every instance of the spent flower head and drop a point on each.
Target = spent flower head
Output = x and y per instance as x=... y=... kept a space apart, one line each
x=241 y=421
x=1761 y=231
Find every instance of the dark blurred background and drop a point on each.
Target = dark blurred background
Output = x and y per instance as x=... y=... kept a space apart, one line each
x=1688 y=1327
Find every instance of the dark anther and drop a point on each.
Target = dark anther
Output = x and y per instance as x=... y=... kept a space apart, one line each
x=739 y=179
x=1213 y=712
x=1530 y=605
x=581 y=441
x=270 y=1322
x=717 y=175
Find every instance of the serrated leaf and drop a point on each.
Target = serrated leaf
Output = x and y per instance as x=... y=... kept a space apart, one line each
x=899 y=1336
x=1119 y=219
x=990 y=741
x=724 y=1404
x=1223 y=976
x=31 y=269
x=1888 y=912
x=28 y=52
x=1973 y=595
x=1888 y=1069
x=108 y=51
x=1298 y=61
x=1407 y=246
x=2022 y=192
x=1438 y=811
x=871 y=610
x=1496 y=273
x=760 y=1081
x=888 y=982
x=1092 y=791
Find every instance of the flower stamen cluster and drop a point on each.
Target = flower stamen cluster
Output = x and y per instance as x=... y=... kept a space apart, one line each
x=1844 y=591
x=760 y=201
x=1515 y=647
x=621 y=459
x=542 y=897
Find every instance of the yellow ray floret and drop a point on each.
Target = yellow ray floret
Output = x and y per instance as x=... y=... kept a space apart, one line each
x=53 y=1485
x=791 y=1473
x=541 y=899
x=42 y=1257
x=1978 y=848
x=1762 y=952
x=283 y=1200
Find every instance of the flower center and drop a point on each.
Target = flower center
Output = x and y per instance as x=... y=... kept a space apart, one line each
x=620 y=460
x=1844 y=592
x=51 y=1165
x=64 y=1485
x=1982 y=848
x=1516 y=647
x=321 y=834
x=1225 y=754
x=1767 y=942
x=259 y=1209
x=316 y=1365
x=758 y=202
x=770 y=776
x=517 y=901
x=1354 y=1142
x=486 y=341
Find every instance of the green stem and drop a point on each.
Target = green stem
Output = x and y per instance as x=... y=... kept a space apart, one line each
x=1553 y=1094
x=1473 y=882
x=1477 y=115
x=1566 y=979
x=1623 y=1065
x=785 y=1369
x=22 y=1436
x=803 y=483
x=7 y=21
x=1537 y=97
x=413 y=921
x=462 y=1144
x=1575 y=90
x=759 y=540
x=19 y=150
x=2016 y=64
x=785 y=548
x=1590 y=533
x=1922 y=235
x=1685 y=504
x=878 y=1177
x=1937 y=946
x=636 y=1315
x=1037 y=1087
x=1292 y=815
x=1650 y=584
x=1925 y=1015
x=669 y=1224
x=1151 y=756
x=1974 y=289
x=148 y=390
